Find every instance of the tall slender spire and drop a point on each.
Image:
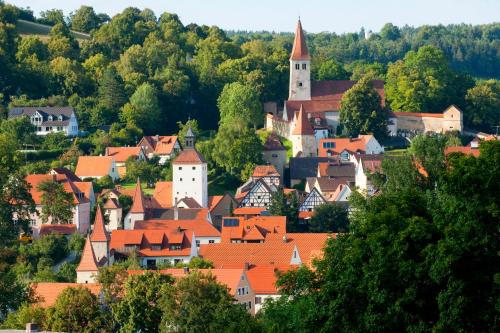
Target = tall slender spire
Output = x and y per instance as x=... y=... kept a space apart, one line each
x=99 y=234
x=300 y=51
x=302 y=124
x=88 y=263
x=138 y=199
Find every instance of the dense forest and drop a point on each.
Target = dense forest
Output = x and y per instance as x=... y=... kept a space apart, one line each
x=152 y=72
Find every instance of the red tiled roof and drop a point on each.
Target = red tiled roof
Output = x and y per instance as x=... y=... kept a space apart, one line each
x=189 y=156
x=200 y=227
x=93 y=166
x=265 y=171
x=163 y=194
x=213 y=201
x=249 y=210
x=61 y=229
x=145 y=238
x=138 y=199
x=350 y=144
x=302 y=124
x=111 y=203
x=88 y=263
x=254 y=228
x=121 y=154
x=418 y=114
x=99 y=233
x=48 y=292
x=35 y=180
x=306 y=214
x=300 y=51
x=68 y=173
x=166 y=144
x=464 y=150
x=229 y=277
x=263 y=278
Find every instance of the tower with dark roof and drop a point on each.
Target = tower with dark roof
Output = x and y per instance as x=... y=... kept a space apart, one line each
x=300 y=68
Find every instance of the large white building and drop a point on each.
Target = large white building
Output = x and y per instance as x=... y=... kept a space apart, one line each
x=190 y=174
x=49 y=119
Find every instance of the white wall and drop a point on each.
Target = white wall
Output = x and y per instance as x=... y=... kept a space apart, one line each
x=86 y=277
x=296 y=92
x=190 y=180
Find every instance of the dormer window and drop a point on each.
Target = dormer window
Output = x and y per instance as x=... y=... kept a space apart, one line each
x=51 y=118
x=155 y=247
x=175 y=247
x=60 y=118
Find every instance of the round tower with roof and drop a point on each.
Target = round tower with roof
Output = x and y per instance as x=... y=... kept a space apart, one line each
x=190 y=173
x=300 y=68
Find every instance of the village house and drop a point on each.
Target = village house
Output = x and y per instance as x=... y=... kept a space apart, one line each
x=49 y=119
x=252 y=230
x=121 y=154
x=219 y=206
x=165 y=147
x=268 y=174
x=263 y=280
x=344 y=147
x=96 y=167
x=112 y=209
x=366 y=165
x=47 y=292
x=81 y=193
x=274 y=152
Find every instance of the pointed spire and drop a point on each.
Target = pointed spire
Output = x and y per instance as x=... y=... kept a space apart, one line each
x=99 y=234
x=88 y=263
x=138 y=199
x=189 y=138
x=300 y=51
x=302 y=124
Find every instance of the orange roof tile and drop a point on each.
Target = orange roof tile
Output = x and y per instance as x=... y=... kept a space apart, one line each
x=300 y=51
x=99 y=233
x=35 y=180
x=48 y=292
x=265 y=171
x=121 y=154
x=166 y=144
x=263 y=278
x=88 y=262
x=254 y=228
x=340 y=144
x=138 y=199
x=189 y=156
x=249 y=210
x=163 y=194
x=200 y=227
x=464 y=150
x=213 y=201
x=306 y=214
x=418 y=114
x=93 y=166
x=61 y=229
x=229 y=277
x=302 y=124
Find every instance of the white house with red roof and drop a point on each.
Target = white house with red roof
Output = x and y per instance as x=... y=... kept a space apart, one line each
x=190 y=174
x=82 y=192
x=96 y=167
x=160 y=145
x=122 y=154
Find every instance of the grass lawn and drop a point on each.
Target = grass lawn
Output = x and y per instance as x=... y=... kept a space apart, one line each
x=395 y=152
x=132 y=186
x=27 y=28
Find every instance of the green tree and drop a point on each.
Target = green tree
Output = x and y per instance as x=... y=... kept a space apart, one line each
x=57 y=204
x=143 y=109
x=183 y=128
x=421 y=82
x=361 y=111
x=27 y=313
x=52 y=17
x=20 y=130
x=140 y=307
x=329 y=217
x=482 y=109
x=428 y=153
x=62 y=43
x=84 y=19
x=285 y=205
x=76 y=310
x=240 y=103
x=112 y=90
x=331 y=70
x=198 y=303
x=390 y=32
x=234 y=147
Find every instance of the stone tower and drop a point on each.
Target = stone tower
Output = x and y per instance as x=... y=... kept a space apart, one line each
x=302 y=137
x=300 y=68
x=100 y=239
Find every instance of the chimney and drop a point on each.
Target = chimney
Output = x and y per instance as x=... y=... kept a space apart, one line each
x=176 y=210
x=186 y=270
x=285 y=239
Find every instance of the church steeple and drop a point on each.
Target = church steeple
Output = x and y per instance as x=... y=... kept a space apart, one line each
x=189 y=138
x=300 y=68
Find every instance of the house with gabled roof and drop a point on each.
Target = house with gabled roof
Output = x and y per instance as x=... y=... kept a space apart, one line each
x=251 y=230
x=274 y=152
x=163 y=146
x=343 y=147
x=46 y=293
x=219 y=206
x=96 y=167
x=48 y=119
x=255 y=194
x=121 y=154
x=366 y=165
x=81 y=192
x=312 y=200
x=268 y=173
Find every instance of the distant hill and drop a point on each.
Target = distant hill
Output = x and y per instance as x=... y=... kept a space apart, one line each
x=27 y=28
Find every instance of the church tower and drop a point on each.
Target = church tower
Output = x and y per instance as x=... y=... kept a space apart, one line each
x=303 y=141
x=190 y=174
x=300 y=68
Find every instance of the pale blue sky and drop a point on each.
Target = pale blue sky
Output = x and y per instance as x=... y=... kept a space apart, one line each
x=280 y=15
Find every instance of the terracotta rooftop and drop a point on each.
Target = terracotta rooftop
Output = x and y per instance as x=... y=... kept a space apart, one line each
x=68 y=173
x=252 y=229
x=121 y=154
x=213 y=201
x=99 y=233
x=138 y=205
x=265 y=171
x=263 y=278
x=200 y=227
x=338 y=145
x=418 y=114
x=336 y=169
x=249 y=210
x=467 y=150
x=93 y=166
x=48 y=292
x=189 y=156
x=74 y=188
x=299 y=50
x=163 y=194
